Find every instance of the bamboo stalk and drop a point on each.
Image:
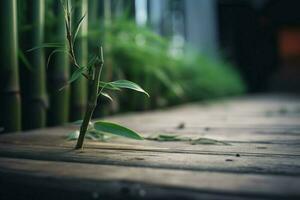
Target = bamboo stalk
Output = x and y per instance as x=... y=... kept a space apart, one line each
x=107 y=47
x=10 y=101
x=36 y=94
x=93 y=7
x=58 y=75
x=79 y=87
x=94 y=22
x=92 y=102
x=108 y=71
x=95 y=25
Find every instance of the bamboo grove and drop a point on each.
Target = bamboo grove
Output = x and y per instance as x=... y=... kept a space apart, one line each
x=30 y=80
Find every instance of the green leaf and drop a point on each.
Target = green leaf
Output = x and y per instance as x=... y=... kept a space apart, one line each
x=128 y=85
x=91 y=62
x=24 y=59
x=106 y=95
x=97 y=135
x=116 y=129
x=76 y=74
x=54 y=52
x=171 y=85
x=77 y=27
x=73 y=135
x=90 y=134
x=107 y=85
x=46 y=45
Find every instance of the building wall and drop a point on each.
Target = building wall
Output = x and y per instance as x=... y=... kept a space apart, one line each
x=201 y=25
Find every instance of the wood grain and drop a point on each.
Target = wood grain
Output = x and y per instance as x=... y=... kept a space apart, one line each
x=257 y=157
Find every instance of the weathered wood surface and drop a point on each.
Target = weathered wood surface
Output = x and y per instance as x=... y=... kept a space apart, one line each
x=256 y=156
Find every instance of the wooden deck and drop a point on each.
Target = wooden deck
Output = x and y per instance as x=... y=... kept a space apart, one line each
x=244 y=148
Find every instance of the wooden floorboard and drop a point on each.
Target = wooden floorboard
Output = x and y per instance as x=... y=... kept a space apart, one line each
x=166 y=160
x=256 y=155
x=207 y=182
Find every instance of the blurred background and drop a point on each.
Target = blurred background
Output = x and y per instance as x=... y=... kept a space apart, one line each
x=177 y=50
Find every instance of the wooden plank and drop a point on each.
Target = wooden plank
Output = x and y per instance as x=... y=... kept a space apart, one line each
x=267 y=135
x=246 y=163
x=263 y=131
x=243 y=143
x=88 y=177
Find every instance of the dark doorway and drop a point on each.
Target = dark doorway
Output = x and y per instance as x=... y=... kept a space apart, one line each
x=262 y=39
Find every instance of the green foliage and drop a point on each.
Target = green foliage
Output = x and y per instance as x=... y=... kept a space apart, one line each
x=77 y=74
x=116 y=129
x=102 y=129
x=91 y=134
x=46 y=45
x=77 y=27
x=144 y=57
x=134 y=53
x=204 y=79
x=106 y=95
x=24 y=59
x=128 y=85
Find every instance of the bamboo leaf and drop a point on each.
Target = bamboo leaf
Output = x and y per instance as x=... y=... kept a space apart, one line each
x=73 y=135
x=24 y=60
x=128 y=85
x=91 y=134
x=46 y=45
x=116 y=129
x=107 y=85
x=54 y=52
x=171 y=85
x=97 y=135
x=91 y=62
x=76 y=74
x=77 y=27
x=106 y=95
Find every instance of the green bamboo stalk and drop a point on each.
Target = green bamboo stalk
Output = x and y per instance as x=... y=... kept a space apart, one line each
x=107 y=46
x=36 y=94
x=94 y=22
x=79 y=87
x=93 y=7
x=95 y=25
x=92 y=101
x=108 y=70
x=59 y=74
x=10 y=101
